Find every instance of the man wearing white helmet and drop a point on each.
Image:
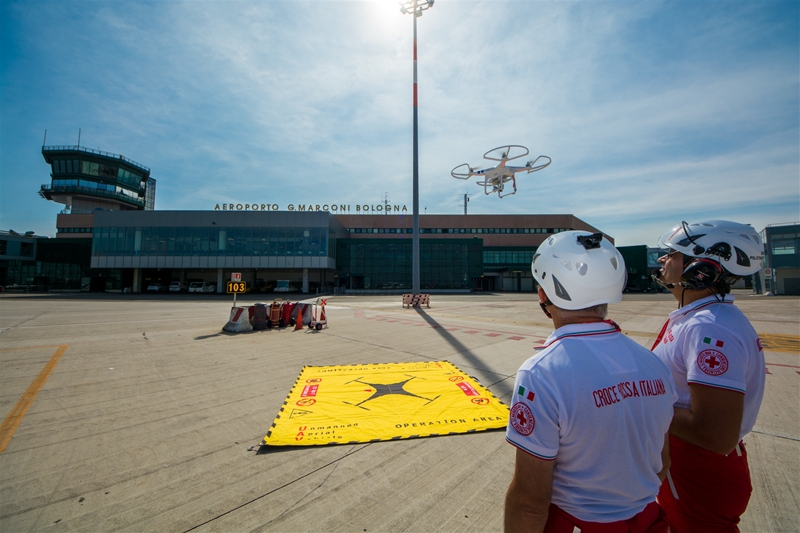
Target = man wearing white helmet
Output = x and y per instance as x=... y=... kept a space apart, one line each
x=590 y=412
x=718 y=367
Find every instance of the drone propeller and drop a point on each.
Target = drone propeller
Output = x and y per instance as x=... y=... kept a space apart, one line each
x=533 y=167
x=462 y=172
x=506 y=152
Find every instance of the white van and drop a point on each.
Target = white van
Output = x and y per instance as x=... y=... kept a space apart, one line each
x=178 y=286
x=202 y=286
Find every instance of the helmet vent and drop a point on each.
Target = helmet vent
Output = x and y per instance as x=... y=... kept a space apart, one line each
x=741 y=258
x=614 y=263
x=567 y=264
x=561 y=292
x=581 y=268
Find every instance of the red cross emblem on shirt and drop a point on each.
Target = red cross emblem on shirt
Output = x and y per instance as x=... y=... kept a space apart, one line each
x=522 y=419
x=712 y=362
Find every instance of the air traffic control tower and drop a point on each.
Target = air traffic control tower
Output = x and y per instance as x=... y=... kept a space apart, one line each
x=87 y=180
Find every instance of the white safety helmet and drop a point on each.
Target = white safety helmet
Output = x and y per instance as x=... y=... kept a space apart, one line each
x=578 y=269
x=737 y=248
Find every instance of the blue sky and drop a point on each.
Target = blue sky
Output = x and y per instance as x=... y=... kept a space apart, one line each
x=652 y=112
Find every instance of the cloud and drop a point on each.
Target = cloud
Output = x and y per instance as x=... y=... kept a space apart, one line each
x=650 y=110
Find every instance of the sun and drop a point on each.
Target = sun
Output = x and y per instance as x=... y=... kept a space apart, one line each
x=387 y=18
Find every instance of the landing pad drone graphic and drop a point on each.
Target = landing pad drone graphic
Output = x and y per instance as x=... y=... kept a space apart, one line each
x=495 y=178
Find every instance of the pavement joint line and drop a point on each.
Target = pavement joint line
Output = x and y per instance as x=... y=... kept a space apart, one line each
x=14 y=418
x=229 y=511
x=142 y=423
x=38 y=347
x=773 y=434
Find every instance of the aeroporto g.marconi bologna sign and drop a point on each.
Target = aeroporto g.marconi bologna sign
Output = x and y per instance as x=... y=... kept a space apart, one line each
x=332 y=208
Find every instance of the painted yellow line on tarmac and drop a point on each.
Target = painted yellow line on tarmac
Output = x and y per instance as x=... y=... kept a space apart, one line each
x=26 y=348
x=13 y=420
x=780 y=343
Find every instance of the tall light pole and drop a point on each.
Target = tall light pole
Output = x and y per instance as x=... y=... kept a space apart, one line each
x=415 y=8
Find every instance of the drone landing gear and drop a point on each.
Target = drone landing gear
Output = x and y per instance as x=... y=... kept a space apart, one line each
x=492 y=187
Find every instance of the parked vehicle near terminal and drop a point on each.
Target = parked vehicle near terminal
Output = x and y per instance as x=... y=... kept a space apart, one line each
x=156 y=287
x=202 y=286
x=283 y=285
x=178 y=286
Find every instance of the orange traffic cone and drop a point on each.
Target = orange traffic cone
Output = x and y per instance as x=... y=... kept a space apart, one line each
x=299 y=323
x=322 y=318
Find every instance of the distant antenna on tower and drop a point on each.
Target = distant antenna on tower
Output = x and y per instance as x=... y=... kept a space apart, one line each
x=79 y=137
x=466 y=201
x=44 y=142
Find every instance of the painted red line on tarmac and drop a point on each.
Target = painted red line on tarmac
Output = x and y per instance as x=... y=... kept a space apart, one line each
x=14 y=419
x=487 y=332
x=778 y=364
x=471 y=332
x=516 y=338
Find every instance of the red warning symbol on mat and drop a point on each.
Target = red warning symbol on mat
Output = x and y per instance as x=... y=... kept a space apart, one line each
x=309 y=390
x=468 y=389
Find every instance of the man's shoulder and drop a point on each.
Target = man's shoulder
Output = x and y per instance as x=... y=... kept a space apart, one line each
x=726 y=320
x=552 y=359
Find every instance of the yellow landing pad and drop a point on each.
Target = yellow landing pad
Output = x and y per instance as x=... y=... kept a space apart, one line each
x=387 y=401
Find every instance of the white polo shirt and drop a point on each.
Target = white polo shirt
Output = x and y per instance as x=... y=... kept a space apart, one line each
x=712 y=343
x=599 y=405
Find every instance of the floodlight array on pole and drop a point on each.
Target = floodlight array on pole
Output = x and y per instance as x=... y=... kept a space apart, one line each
x=415 y=8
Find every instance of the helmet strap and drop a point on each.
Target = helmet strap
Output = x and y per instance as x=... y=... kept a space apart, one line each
x=544 y=305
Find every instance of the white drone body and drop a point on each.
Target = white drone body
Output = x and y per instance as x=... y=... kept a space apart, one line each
x=495 y=178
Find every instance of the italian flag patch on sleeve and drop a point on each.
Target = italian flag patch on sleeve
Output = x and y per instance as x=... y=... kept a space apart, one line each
x=529 y=395
x=713 y=342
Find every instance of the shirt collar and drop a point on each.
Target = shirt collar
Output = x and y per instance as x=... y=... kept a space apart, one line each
x=699 y=304
x=588 y=329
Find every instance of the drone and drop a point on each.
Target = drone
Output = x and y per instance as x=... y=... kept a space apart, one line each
x=495 y=178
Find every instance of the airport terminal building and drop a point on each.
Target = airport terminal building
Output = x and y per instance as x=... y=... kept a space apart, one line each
x=318 y=250
x=111 y=238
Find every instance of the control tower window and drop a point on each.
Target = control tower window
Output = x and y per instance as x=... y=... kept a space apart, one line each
x=90 y=169
x=105 y=171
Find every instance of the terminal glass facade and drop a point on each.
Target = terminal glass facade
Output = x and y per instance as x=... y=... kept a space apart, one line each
x=212 y=241
x=58 y=265
x=379 y=264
